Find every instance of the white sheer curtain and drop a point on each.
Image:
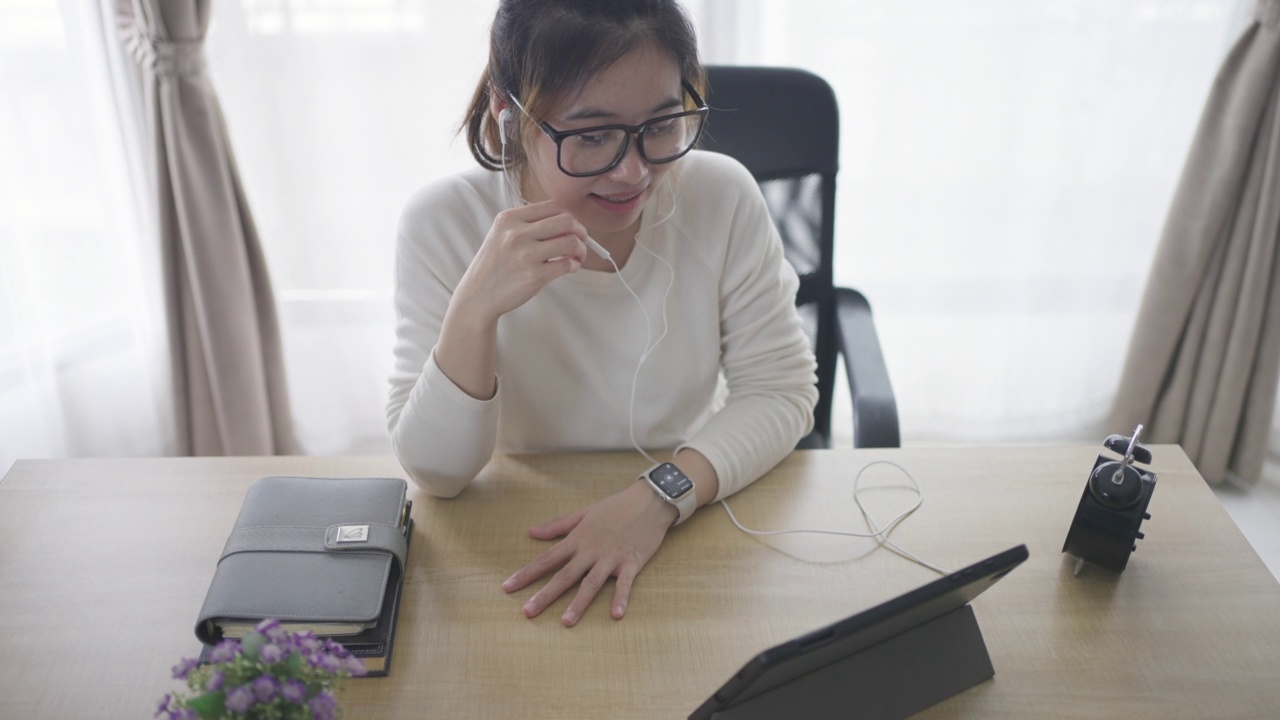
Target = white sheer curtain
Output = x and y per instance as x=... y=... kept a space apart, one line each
x=339 y=110
x=83 y=360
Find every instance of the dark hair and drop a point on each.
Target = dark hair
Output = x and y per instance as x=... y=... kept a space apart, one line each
x=542 y=51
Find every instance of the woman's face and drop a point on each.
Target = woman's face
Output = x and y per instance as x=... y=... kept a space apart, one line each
x=642 y=84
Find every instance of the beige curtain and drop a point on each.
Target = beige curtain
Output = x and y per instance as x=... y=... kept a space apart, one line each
x=228 y=369
x=1204 y=358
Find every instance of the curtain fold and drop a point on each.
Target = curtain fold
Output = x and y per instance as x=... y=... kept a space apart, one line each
x=228 y=370
x=1204 y=359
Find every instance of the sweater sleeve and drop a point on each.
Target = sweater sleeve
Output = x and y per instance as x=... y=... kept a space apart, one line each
x=441 y=435
x=765 y=355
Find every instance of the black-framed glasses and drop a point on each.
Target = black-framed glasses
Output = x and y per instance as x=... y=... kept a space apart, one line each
x=597 y=150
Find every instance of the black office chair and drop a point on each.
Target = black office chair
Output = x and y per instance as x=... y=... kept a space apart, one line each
x=784 y=126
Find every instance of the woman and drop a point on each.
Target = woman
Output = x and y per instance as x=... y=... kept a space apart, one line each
x=518 y=283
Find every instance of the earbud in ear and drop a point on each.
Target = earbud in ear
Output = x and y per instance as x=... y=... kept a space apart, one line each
x=503 y=118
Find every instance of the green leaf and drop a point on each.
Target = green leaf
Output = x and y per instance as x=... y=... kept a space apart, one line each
x=252 y=643
x=209 y=705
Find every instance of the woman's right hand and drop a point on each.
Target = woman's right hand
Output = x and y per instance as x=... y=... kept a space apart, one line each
x=526 y=248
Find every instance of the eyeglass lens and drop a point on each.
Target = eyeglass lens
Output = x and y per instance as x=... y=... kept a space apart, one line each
x=660 y=141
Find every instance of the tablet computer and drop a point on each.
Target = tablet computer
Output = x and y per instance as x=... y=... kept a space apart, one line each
x=791 y=660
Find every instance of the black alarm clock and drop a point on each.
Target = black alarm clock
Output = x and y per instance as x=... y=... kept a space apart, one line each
x=1106 y=527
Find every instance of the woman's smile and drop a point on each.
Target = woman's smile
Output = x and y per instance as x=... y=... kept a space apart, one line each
x=621 y=203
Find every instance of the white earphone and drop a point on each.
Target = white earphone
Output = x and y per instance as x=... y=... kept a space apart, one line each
x=503 y=118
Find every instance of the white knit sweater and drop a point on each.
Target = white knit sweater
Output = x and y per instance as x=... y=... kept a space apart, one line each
x=733 y=378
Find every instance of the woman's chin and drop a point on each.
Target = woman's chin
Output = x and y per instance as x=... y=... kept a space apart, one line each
x=609 y=219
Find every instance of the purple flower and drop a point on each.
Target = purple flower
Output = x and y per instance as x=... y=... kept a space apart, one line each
x=163 y=706
x=224 y=651
x=271 y=628
x=335 y=648
x=184 y=668
x=265 y=688
x=355 y=666
x=214 y=684
x=307 y=640
x=323 y=706
x=271 y=653
x=294 y=691
x=240 y=699
x=183 y=714
x=328 y=663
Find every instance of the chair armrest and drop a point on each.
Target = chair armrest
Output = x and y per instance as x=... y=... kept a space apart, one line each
x=875 y=412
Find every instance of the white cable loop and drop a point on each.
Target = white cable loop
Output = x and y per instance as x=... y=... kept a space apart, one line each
x=880 y=534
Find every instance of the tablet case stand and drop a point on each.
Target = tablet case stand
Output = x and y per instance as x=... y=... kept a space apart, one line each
x=891 y=679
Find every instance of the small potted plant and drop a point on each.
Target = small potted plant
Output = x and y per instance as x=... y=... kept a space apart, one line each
x=270 y=674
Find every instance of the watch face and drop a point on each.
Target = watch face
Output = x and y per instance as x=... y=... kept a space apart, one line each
x=670 y=480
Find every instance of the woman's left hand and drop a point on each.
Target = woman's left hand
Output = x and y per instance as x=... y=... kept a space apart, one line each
x=614 y=537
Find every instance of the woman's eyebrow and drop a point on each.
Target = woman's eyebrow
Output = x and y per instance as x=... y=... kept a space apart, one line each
x=588 y=113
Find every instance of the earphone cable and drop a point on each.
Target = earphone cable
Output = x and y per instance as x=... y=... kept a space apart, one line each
x=880 y=534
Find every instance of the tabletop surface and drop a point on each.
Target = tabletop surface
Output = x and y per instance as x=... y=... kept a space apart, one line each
x=104 y=565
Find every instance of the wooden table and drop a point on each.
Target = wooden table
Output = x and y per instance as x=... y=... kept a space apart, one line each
x=104 y=565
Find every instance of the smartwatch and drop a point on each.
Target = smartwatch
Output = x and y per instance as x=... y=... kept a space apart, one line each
x=674 y=487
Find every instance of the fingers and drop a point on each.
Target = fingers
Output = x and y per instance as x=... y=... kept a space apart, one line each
x=616 y=536
x=589 y=586
x=534 y=211
x=559 y=236
x=542 y=221
x=546 y=247
x=587 y=591
x=559 y=583
x=553 y=557
x=544 y=563
x=526 y=248
x=622 y=590
x=558 y=527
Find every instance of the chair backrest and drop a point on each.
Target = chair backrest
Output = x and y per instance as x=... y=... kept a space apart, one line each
x=784 y=126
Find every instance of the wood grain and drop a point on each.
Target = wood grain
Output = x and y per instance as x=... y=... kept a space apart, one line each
x=104 y=565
